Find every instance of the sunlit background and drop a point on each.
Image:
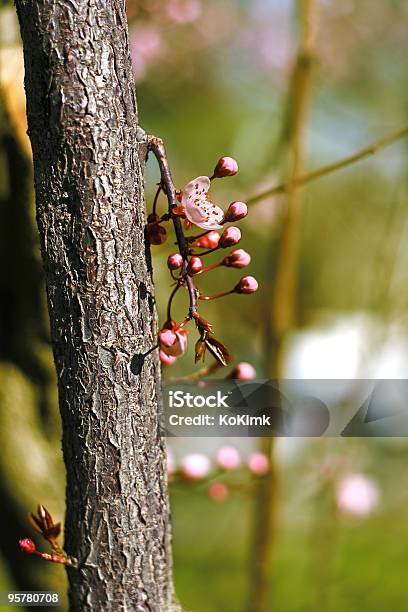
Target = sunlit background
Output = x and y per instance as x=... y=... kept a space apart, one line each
x=213 y=78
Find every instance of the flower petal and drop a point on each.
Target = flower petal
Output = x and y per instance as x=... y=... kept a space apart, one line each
x=196 y=189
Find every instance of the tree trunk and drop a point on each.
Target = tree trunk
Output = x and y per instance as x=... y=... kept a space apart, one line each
x=88 y=163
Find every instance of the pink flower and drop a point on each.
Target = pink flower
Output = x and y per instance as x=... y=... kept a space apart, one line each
x=243 y=371
x=236 y=211
x=27 y=545
x=209 y=241
x=183 y=11
x=195 y=265
x=167 y=360
x=226 y=166
x=218 y=491
x=171 y=462
x=247 y=284
x=237 y=259
x=230 y=237
x=258 y=463
x=195 y=466
x=228 y=458
x=173 y=342
x=174 y=261
x=198 y=208
x=357 y=495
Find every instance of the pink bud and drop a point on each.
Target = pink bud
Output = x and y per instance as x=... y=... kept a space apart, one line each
x=258 y=463
x=236 y=211
x=195 y=466
x=243 y=371
x=167 y=337
x=195 y=265
x=237 y=259
x=228 y=458
x=218 y=491
x=209 y=241
x=27 y=545
x=174 y=261
x=247 y=284
x=229 y=237
x=165 y=359
x=226 y=166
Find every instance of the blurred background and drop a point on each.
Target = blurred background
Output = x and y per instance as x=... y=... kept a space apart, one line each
x=216 y=77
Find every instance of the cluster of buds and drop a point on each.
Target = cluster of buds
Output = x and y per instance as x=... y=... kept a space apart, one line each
x=198 y=467
x=192 y=207
x=44 y=525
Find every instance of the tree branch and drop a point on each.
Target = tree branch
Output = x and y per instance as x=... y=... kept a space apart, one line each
x=372 y=149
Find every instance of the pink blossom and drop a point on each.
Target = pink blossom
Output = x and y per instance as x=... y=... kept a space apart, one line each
x=195 y=466
x=218 y=491
x=197 y=207
x=258 y=463
x=236 y=211
x=171 y=461
x=209 y=241
x=247 y=284
x=183 y=11
x=174 y=261
x=229 y=237
x=237 y=259
x=243 y=371
x=179 y=346
x=167 y=360
x=228 y=458
x=357 y=495
x=195 y=265
x=226 y=166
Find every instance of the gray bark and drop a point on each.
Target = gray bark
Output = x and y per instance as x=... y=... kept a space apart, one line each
x=88 y=164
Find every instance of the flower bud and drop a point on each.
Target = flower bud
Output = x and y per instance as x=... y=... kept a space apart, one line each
x=228 y=458
x=237 y=259
x=236 y=211
x=27 y=545
x=226 y=166
x=243 y=371
x=156 y=233
x=166 y=360
x=218 y=491
x=247 y=284
x=209 y=241
x=258 y=463
x=174 y=261
x=230 y=237
x=167 y=337
x=195 y=265
x=195 y=466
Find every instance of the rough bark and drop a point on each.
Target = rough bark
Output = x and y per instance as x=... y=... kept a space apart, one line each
x=88 y=164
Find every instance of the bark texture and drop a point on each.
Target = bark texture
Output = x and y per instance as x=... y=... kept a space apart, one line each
x=88 y=165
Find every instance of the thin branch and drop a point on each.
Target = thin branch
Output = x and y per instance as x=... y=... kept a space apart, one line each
x=157 y=147
x=372 y=149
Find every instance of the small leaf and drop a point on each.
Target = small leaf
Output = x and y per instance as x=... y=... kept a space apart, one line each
x=218 y=350
x=35 y=522
x=53 y=532
x=199 y=350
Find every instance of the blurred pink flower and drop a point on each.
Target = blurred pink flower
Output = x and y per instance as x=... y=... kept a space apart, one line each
x=258 y=463
x=218 y=491
x=167 y=360
x=145 y=45
x=171 y=461
x=183 y=11
x=243 y=371
x=228 y=458
x=357 y=495
x=195 y=466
